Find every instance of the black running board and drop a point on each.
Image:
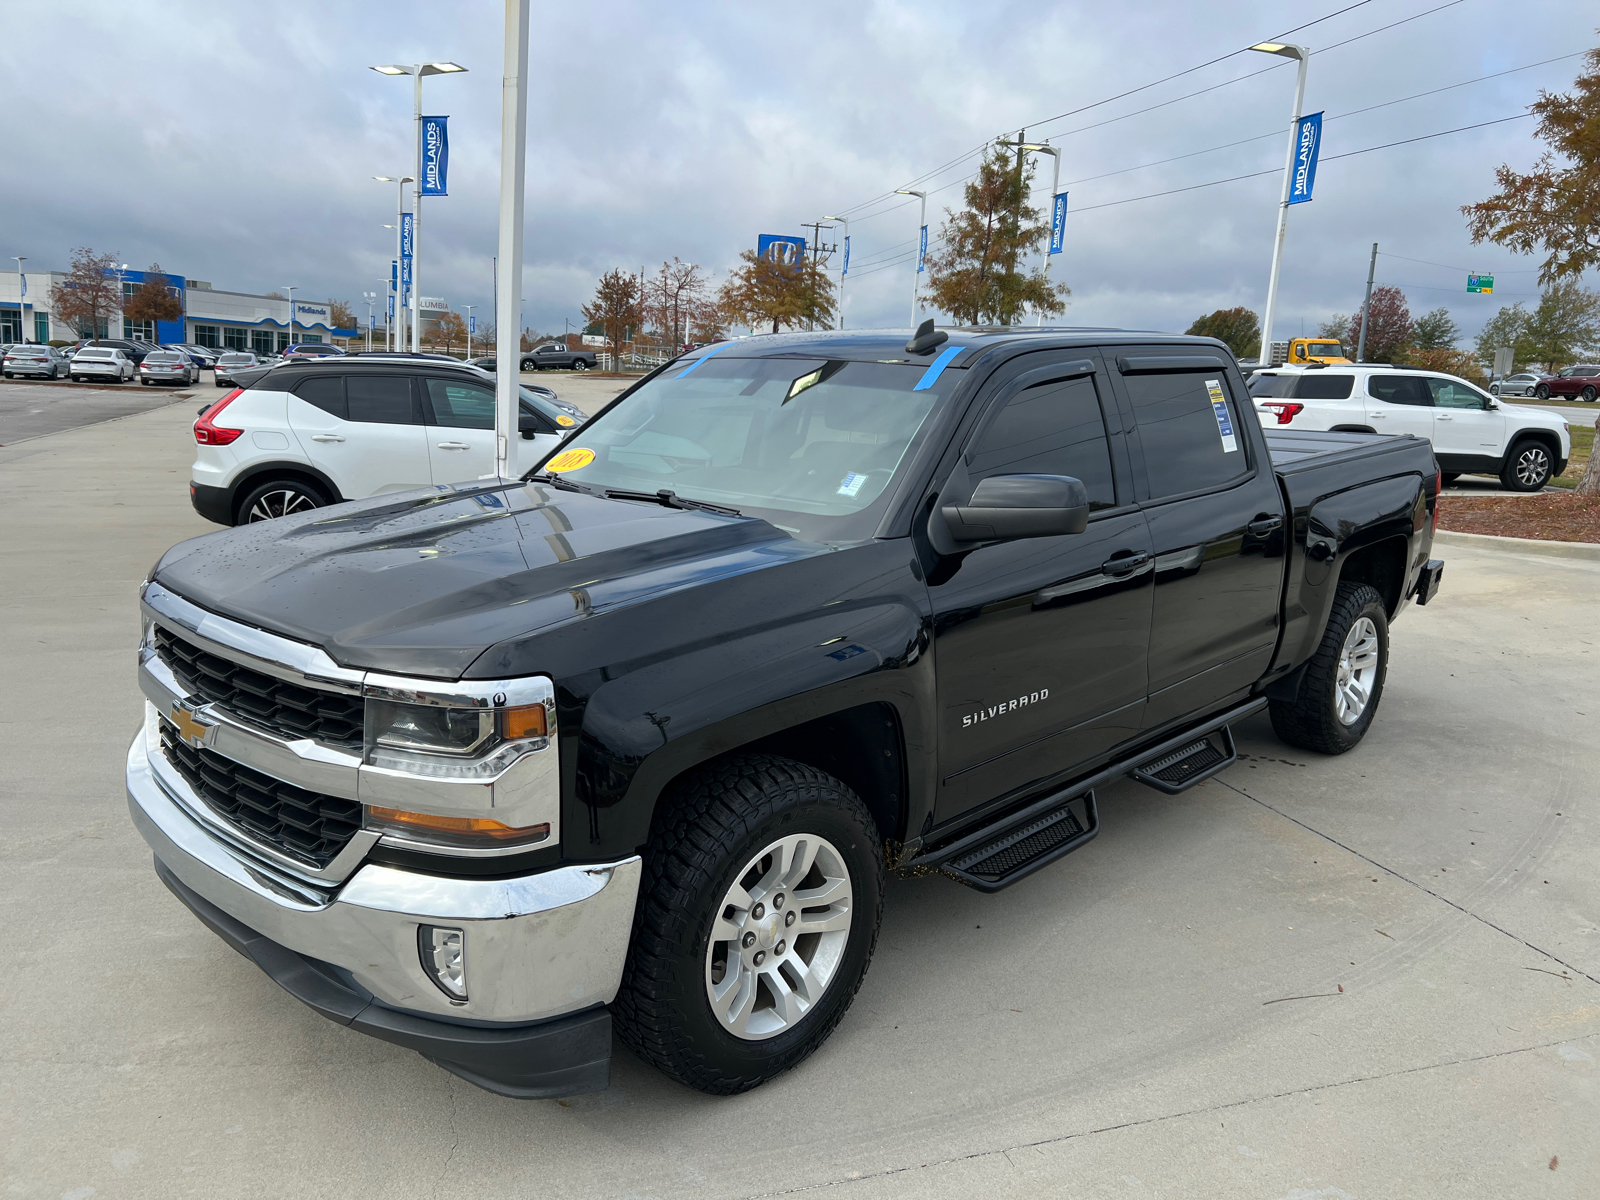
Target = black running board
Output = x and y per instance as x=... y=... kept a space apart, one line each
x=1197 y=759
x=1021 y=850
x=979 y=845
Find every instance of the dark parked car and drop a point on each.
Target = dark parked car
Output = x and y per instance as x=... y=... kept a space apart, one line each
x=1579 y=382
x=486 y=769
x=556 y=356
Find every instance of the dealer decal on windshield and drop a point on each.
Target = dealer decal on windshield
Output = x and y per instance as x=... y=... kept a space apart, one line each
x=570 y=460
x=1219 y=405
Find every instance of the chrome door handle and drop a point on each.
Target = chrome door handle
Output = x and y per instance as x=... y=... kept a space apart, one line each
x=454 y=446
x=1442 y=417
x=1377 y=416
x=1126 y=565
x=327 y=437
x=1264 y=525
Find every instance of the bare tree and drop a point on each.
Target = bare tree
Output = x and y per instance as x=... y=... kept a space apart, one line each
x=671 y=295
x=90 y=292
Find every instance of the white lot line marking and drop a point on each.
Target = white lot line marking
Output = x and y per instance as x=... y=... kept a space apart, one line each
x=1406 y=879
x=1312 y=1089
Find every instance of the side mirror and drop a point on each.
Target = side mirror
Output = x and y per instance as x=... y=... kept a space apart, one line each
x=527 y=426
x=1007 y=507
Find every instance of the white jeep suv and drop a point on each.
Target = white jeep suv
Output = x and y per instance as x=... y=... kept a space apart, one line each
x=1471 y=431
x=317 y=431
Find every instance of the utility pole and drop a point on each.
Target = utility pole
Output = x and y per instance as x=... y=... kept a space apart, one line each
x=1366 y=304
x=817 y=249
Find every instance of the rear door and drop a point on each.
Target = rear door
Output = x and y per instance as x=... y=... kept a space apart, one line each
x=1040 y=643
x=364 y=431
x=1216 y=528
x=1400 y=403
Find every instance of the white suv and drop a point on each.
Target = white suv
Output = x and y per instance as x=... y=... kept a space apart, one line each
x=318 y=431
x=1471 y=431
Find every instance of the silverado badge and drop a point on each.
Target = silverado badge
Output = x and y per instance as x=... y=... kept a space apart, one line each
x=190 y=728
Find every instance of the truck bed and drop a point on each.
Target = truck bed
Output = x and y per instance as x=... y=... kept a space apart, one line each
x=1296 y=452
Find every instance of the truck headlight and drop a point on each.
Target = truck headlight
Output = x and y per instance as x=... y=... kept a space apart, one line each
x=444 y=742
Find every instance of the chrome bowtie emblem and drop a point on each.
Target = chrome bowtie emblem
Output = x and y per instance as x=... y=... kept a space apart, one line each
x=190 y=729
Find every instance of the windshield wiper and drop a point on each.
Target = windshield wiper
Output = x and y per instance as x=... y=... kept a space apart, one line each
x=566 y=485
x=670 y=499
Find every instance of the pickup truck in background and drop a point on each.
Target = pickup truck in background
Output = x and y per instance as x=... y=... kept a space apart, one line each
x=487 y=770
x=557 y=356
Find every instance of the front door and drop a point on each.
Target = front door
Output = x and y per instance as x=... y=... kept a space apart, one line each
x=460 y=416
x=364 y=432
x=1040 y=643
x=1464 y=427
x=1216 y=529
x=1400 y=404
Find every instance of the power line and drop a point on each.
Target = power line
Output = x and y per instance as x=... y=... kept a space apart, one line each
x=1448 y=267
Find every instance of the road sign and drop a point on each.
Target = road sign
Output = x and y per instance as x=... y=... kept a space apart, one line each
x=1480 y=283
x=1503 y=361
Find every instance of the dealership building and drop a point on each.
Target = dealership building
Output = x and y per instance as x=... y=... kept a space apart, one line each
x=211 y=317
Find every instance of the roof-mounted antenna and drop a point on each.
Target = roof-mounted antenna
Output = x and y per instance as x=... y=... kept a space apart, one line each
x=926 y=339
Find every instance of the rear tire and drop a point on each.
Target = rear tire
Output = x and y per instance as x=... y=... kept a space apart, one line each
x=724 y=986
x=279 y=498
x=1343 y=682
x=1588 y=394
x=1527 y=468
x=1541 y=392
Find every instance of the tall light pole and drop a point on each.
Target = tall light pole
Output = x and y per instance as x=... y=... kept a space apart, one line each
x=469 y=308
x=844 y=265
x=1303 y=55
x=1055 y=185
x=291 y=292
x=418 y=72
x=369 y=297
x=508 y=283
x=400 y=182
x=22 y=300
x=922 y=225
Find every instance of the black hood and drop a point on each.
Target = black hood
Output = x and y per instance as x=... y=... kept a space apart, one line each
x=423 y=582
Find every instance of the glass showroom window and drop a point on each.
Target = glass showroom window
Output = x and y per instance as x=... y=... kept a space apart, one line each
x=41 y=327
x=261 y=341
x=143 y=330
x=236 y=339
x=206 y=335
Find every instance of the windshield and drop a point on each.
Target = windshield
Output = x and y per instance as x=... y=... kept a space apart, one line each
x=1326 y=349
x=807 y=444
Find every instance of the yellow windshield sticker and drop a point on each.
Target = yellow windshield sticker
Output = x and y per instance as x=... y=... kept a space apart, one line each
x=565 y=420
x=570 y=460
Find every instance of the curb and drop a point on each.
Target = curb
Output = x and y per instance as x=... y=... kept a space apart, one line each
x=1584 y=551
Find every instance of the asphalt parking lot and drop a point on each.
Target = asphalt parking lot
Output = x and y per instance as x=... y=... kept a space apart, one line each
x=1370 y=976
x=30 y=410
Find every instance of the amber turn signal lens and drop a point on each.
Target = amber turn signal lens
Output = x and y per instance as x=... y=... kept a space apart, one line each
x=526 y=721
x=467 y=828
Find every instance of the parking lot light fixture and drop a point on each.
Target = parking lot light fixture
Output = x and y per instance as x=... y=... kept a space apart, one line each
x=844 y=265
x=418 y=72
x=469 y=308
x=22 y=300
x=1055 y=186
x=1303 y=55
x=916 y=270
x=291 y=291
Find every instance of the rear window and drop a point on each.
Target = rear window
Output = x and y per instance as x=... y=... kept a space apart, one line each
x=234 y=360
x=96 y=353
x=1272 y=387
x=1189 y=429
x=382 y=399
x=325 y=392
x=1321 y=385
x=162 y=357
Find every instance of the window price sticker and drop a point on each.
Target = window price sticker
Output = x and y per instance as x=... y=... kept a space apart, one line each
x=851 y=484
x=1219 y=405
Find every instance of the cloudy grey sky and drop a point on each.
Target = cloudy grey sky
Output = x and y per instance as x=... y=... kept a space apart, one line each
x=236 y=143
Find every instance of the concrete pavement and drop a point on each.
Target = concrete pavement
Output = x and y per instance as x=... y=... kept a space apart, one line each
x=1370 y=976
x=29 y=410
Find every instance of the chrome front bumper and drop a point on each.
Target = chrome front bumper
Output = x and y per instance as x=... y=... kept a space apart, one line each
x=537 y=946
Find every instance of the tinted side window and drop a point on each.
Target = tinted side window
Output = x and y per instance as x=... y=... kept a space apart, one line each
x=461 y=405
x=1449 y=393
x=325 y=392
x=1049 y=429
x=1319 y=385
x=1189 y=429
x=1399 y=389
x=381 y=399
x=1271 y=387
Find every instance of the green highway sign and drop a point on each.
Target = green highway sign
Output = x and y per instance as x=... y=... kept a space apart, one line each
x=1480 y=283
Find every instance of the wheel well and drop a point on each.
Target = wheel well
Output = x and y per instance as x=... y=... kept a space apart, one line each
x=861 y=747
x=1382 y=565
x=1543 y=436
x=257 y=475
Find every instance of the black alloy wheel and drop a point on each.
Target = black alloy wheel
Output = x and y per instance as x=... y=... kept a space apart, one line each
x=1527 y=468
x=279 y=498
x=1542 y=392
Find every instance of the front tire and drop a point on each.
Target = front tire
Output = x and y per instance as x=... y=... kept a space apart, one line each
x=1343 y=682
x=757 y=917
x=279 y=498
x=1527 y=468
x=1541 y=392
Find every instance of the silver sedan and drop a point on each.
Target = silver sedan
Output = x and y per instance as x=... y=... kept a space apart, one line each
x=43 y=362
x=1520 y=384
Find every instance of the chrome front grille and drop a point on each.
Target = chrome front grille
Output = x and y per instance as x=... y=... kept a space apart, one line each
x=290 y=710
x=308 y=825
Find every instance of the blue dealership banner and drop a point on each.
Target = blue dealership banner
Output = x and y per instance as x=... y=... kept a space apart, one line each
x=922 y=251
x=391 y=308
x=435 y=156
x=1307 y=142
x=472 y=322
x=405 y=253
x=846 y=269
x=1058 y=224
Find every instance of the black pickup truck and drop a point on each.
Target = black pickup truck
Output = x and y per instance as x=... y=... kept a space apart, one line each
x=485 y=770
